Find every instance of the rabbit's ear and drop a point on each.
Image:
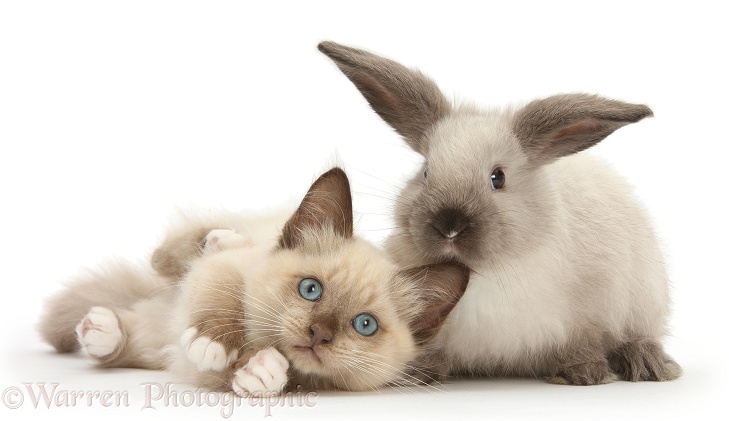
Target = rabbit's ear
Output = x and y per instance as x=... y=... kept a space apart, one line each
x=406 y=99
x=561 y=125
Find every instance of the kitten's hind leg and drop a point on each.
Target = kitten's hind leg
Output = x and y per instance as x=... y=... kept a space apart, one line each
x=223 y=239
x=133 y=338
x=118 y=286
x=172 y=259
x=643 y=360
x=100 y=334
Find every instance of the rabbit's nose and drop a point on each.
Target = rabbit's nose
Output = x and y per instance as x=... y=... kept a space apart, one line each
x=450 y=223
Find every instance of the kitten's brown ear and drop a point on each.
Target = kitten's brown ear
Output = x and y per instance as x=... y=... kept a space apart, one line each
x=406 y=99
x=561 y=125
x=440 y=286
x=328 y=203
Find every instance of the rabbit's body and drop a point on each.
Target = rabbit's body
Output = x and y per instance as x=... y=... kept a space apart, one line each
x=524 y=305
x=568 y=280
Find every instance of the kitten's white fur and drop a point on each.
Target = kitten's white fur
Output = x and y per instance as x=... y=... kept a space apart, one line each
x=98 y=332
x=213 y=299
x=265 y=372
x=206 y=353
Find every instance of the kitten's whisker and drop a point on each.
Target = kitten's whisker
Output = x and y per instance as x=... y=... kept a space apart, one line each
x=404 y=373
x=276 y=296
x=274 y=316
x=228 y=333
x=254 y=316
x=339 y=371
x=259 y=338
x=362 y=379
x=345 y=365
x=226 y=293
x=374 y=370
x=255 y=323
x=216 y=327
x=218 y=310
x=228 y=318
x=406 y=366
x=262 y=305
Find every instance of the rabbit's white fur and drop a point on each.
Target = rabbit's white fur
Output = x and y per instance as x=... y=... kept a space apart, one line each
x=568 y=280
x=596 y=264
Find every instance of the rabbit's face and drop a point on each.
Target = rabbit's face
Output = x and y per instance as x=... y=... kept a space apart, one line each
x=476 y=195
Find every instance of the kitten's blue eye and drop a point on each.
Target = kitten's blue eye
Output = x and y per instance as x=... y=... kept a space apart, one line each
x=310 y=289
x=365 y=324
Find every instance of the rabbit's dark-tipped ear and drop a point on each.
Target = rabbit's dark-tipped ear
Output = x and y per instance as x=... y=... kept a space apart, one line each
x=406 y=99
x=561 y=125
x=328 y=203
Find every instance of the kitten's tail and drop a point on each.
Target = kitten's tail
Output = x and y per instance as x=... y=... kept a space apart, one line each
x=119 y=285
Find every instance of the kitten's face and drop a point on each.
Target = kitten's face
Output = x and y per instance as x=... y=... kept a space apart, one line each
x=335 y=306
x=337 y=311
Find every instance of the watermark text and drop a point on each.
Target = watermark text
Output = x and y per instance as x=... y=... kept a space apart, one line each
x=156 y=395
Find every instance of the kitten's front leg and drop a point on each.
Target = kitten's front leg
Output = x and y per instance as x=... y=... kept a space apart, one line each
x=264 y=373
x=205 y=351
x=212 y=296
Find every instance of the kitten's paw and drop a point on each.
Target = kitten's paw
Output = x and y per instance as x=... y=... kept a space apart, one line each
x=220 y=239
x=205 y=353
x=265 y=373
x=99 y=332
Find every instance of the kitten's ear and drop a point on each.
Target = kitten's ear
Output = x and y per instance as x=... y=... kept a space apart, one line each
x=561 y=125
x=440 y=286
x=328 y=203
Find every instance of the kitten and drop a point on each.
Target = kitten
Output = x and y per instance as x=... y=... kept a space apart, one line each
x=310 y=304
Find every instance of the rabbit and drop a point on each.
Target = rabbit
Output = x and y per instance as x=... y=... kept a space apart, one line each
x=568 y=281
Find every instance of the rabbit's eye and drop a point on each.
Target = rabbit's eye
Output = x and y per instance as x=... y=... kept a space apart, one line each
x=498 y=178
x=425 y=173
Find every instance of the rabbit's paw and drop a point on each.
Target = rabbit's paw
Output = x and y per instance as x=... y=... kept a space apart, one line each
x=584 y=374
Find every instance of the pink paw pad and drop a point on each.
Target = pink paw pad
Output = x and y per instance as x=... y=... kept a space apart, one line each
x=86 y=326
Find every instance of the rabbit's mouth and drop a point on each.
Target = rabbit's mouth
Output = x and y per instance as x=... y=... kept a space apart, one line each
x=446 y=244
x=451 y=244
x=450 y=248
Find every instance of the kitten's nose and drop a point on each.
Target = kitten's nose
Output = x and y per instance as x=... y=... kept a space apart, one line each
x=319 y=335
x=450 y=222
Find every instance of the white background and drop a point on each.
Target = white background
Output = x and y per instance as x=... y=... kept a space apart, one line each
x=113 y=114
